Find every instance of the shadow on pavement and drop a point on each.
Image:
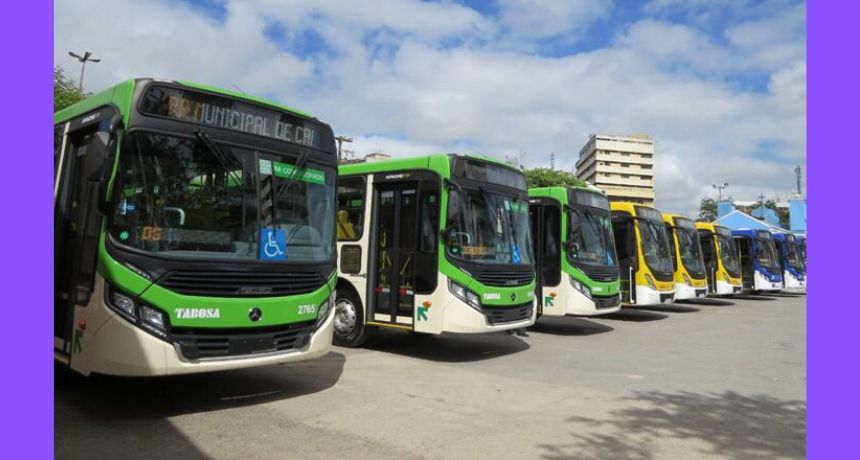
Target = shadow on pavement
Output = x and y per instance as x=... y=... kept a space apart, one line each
x=448 y=348
x=709 y=302
x=115 y=398
x=728 y=425
x=670 y=308
x=753 y=297
x=568 y=326
x=634 y=314
x=110 y=417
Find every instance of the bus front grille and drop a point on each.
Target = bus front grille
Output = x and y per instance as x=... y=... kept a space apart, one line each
x=505 y=278
x=600 y=274
x=606 y=302
x=508 y=315
x=240 y=284
x=218 y=343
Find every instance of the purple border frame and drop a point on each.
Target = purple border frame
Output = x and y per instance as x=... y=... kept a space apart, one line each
x=27 y=388
x=833 y=319
x=833 y=316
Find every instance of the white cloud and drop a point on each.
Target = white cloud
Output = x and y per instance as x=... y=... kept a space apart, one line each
x=525 y=19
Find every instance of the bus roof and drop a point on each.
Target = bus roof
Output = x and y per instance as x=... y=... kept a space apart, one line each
x=628 y=207
x=580 y=185
x=125 y=89
x=670 y=217
x=710 y=226
x=420 y=162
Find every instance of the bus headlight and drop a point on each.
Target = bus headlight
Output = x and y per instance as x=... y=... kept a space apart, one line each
x=153 y=320
x=687 y=280
x=579 y=286
x=324 y=310
x=122 y=303
x=148 y=318
x=465 y=295
x=650 y=282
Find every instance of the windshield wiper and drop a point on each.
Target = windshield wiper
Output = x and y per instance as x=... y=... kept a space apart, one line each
x=294 y=177
x=218 y=155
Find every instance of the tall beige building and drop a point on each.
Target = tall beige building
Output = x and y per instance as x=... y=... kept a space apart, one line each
x=623 y=166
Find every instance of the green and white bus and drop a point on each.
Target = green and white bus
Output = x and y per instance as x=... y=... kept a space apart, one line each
x=577 y=267
x=194 y=231
x=433 y=244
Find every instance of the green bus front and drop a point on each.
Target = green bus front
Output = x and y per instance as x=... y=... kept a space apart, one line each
x=576 y=264
x=433 y=244
x=194 y=231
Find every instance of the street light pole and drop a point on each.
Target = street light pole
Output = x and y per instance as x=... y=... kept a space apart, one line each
x=340 y=140
x=83 y=60
x=720 y=190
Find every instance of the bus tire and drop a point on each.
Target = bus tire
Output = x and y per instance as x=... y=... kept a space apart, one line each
x=349 y=328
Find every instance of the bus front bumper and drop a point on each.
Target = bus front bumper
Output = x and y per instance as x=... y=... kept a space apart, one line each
x=461 y=318
x=792 y=284
x=724 y=288
x=647 y=296
x=682 y=292
x=120 y=348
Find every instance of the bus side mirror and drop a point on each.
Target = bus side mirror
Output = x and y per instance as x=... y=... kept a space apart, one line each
x=108 y=158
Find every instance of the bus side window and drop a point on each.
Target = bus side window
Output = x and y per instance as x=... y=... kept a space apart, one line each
x=350 y=208
x=426 y=266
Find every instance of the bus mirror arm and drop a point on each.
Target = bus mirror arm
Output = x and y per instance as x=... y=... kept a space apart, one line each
x=105 y=203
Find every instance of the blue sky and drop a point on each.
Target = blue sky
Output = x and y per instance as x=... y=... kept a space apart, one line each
x=719 y=84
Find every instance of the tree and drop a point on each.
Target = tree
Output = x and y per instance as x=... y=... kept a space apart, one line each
x=781 y=213
x=707 y=210
x=546 y=177
x=66 y=90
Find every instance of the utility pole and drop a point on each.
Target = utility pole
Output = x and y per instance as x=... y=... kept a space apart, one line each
x=340 y=140
x=797 y=173
x=720 y=190
x=552 y=161
x=83 y=60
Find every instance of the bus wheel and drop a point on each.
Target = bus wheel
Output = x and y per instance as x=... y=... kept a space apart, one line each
x=349 y=328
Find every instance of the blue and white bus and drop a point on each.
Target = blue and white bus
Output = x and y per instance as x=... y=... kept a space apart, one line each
x=760 y=268
x=793 y=266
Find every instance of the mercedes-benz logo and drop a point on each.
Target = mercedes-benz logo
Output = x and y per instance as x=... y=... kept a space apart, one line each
x=255 y=314
x=513 y=296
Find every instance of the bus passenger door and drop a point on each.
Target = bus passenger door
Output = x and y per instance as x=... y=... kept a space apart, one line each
x=625 y=244
x=537 y=224
x=77 y=223
x=709 y=254
x=393 y=253
x=747 y=269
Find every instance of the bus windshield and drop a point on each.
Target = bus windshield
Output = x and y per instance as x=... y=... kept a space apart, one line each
x=655 y=244
x=488 y=227
x=590 y=233
x=766 y=254
x=688 y=246
x=793 y=258
x=728 y=251
x=189 y=198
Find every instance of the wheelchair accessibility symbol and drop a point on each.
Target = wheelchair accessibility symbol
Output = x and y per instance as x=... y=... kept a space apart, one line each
x=273 y=245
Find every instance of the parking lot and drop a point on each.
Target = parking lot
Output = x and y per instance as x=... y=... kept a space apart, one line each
x=716 y=379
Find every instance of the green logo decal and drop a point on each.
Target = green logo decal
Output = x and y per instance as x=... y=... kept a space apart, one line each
x=547 y=300
x=123 y=235
x=422 y=313
x=314 y=176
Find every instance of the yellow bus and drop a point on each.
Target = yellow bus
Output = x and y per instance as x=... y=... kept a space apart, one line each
x=690 y=277
x=644 y=254
x=721 y=259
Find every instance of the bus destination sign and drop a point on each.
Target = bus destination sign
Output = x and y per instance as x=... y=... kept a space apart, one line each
x=231 y=114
